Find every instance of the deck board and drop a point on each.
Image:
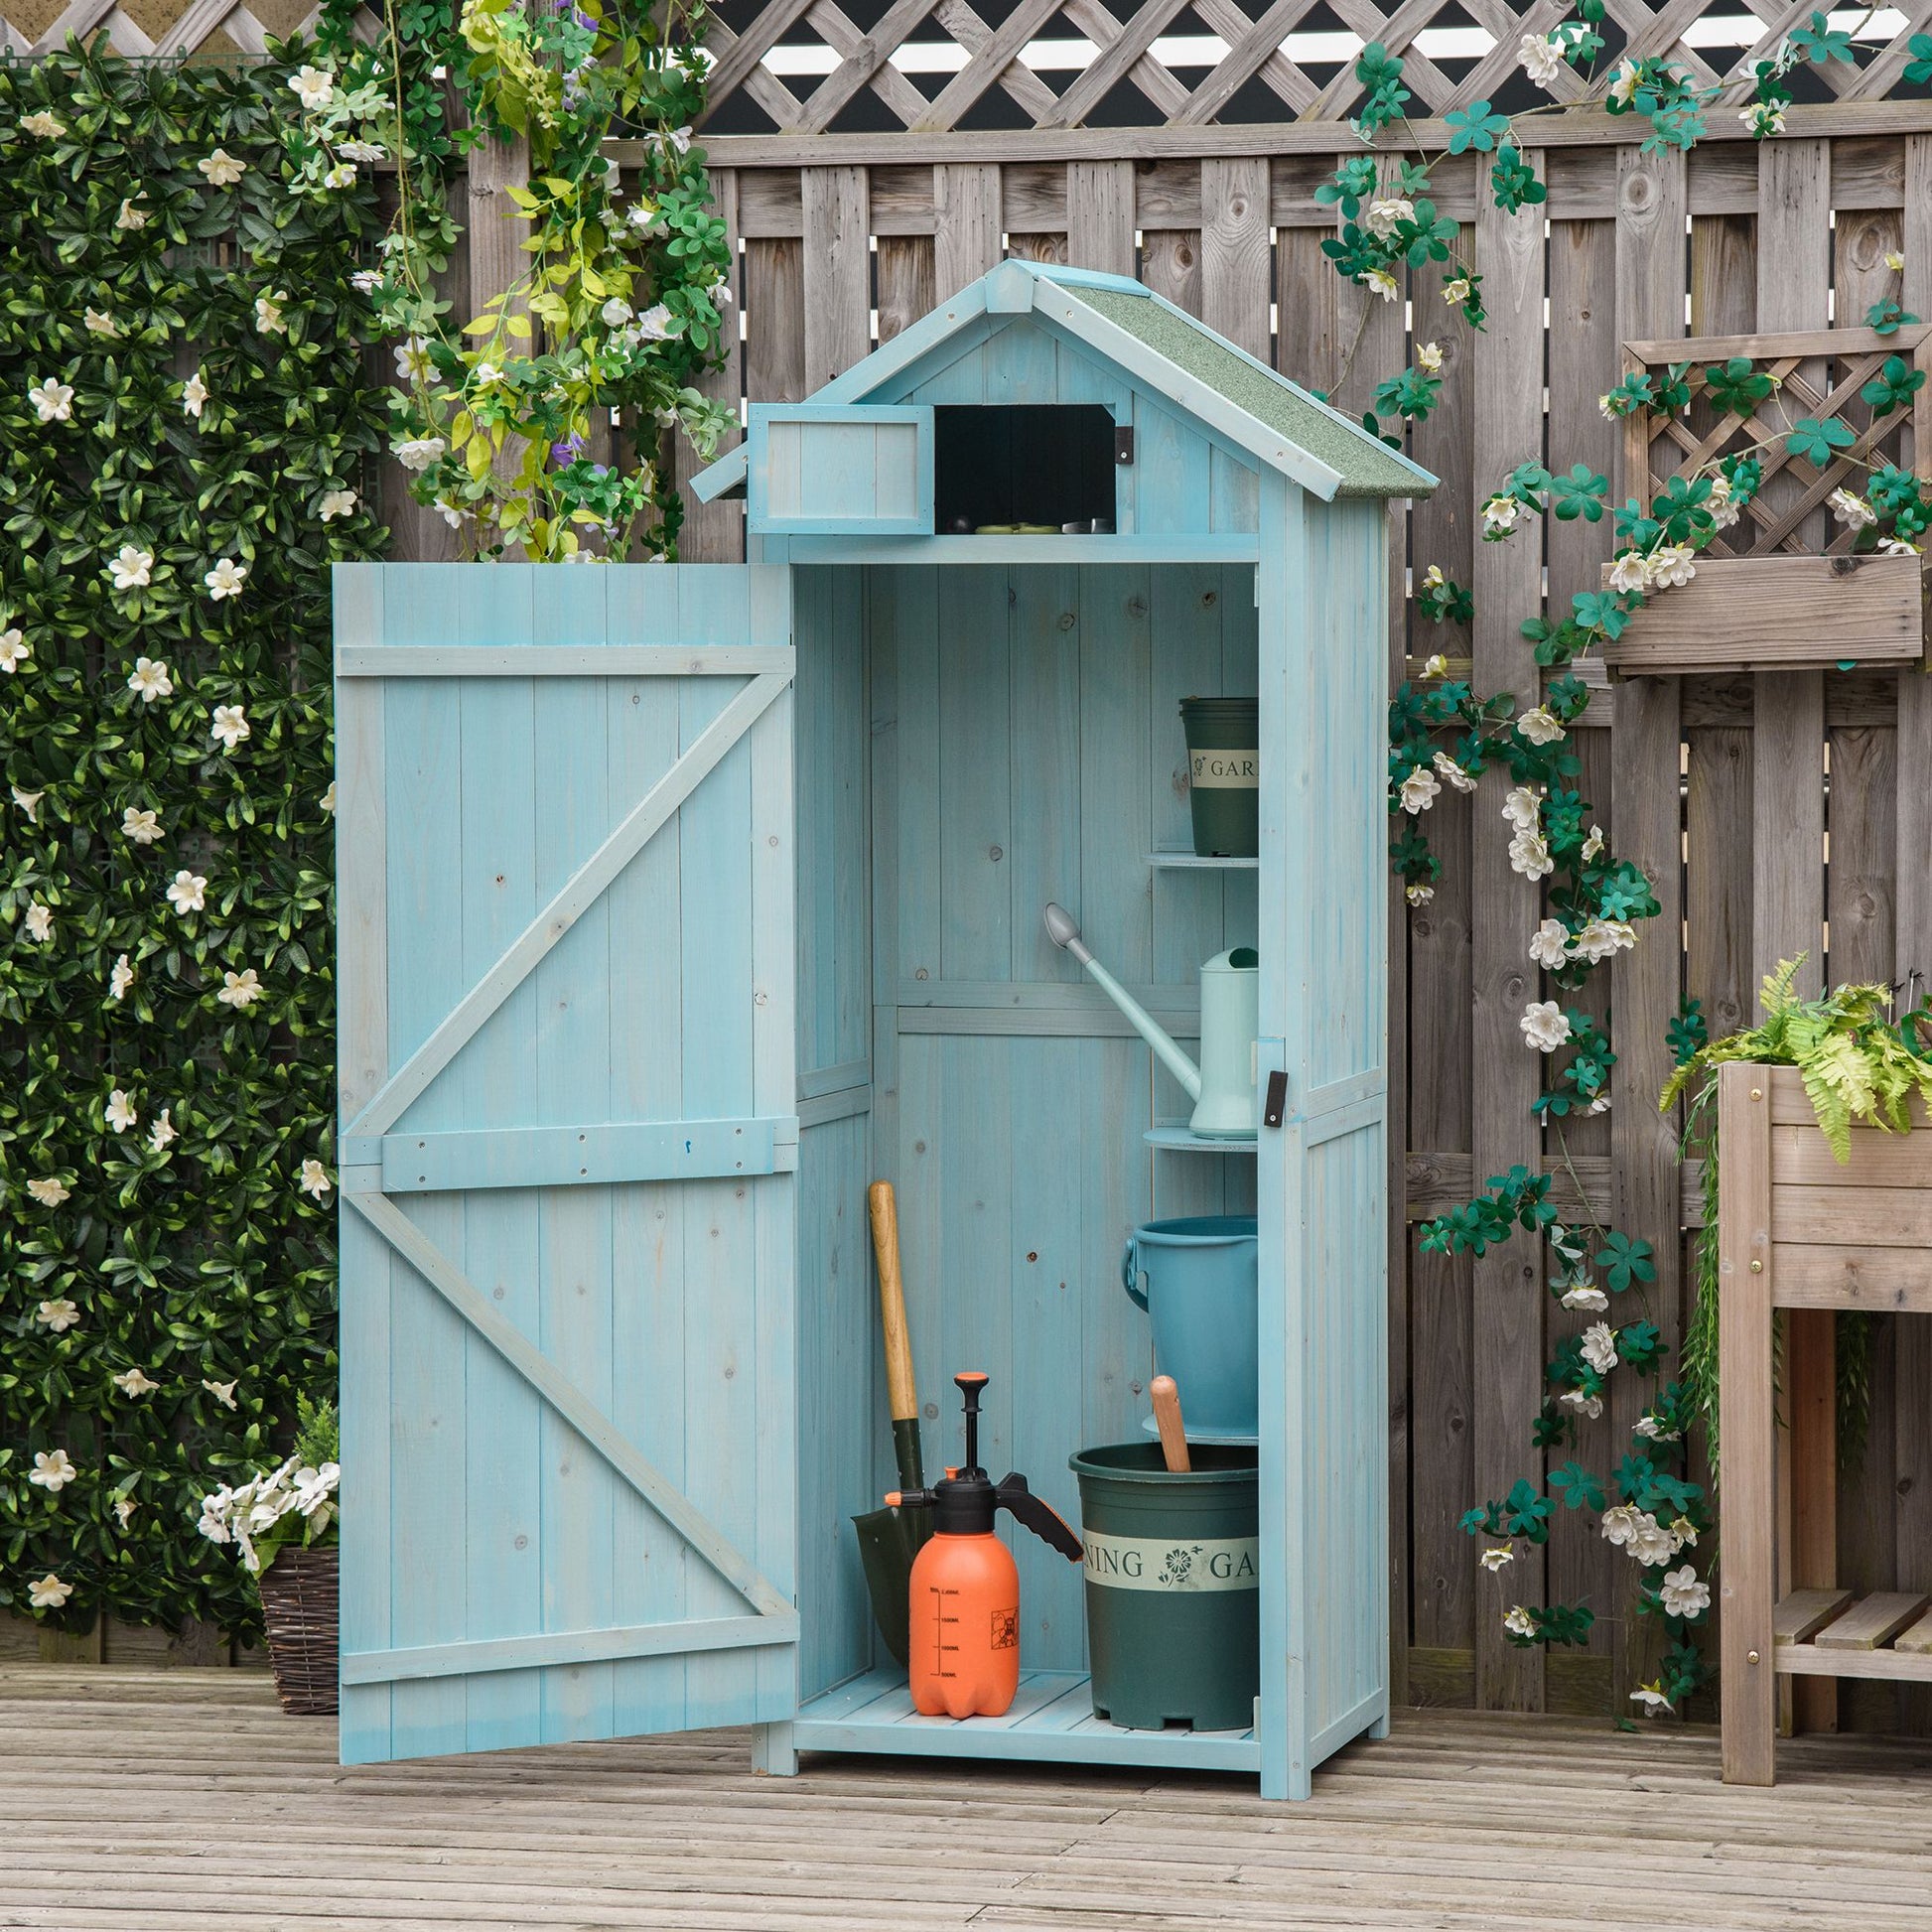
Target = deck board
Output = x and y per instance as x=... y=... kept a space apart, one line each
x=141 y=1800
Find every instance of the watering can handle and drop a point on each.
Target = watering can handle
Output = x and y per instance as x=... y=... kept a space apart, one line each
x=1130 y=1274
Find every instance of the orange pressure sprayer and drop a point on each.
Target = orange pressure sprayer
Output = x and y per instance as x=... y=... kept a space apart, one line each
x=965 y=1606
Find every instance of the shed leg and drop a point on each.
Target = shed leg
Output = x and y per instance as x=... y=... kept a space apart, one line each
x=772 y=1756
x=1380 y=1727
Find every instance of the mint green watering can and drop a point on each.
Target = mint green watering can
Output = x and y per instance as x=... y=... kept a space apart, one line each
x=1222 y=1086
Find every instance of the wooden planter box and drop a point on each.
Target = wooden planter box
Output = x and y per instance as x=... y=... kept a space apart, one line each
x=1799 y=1231
x=1778 y=614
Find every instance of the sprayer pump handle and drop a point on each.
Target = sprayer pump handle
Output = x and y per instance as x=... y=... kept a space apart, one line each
x=1042 y=1518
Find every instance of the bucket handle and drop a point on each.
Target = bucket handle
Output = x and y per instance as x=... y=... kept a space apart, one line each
x=1130 y=1274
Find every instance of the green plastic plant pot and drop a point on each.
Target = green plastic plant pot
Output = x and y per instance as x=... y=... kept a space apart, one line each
x=1224 y=774
x=1172 y=1586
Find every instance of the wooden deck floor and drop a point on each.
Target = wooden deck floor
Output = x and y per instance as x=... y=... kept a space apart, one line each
x=184 y=1799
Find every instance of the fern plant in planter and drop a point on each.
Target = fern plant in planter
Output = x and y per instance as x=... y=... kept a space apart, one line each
x=1859 y=1068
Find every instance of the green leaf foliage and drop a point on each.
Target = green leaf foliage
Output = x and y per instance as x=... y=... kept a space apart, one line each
x=1815 y=441
x=171 y=1241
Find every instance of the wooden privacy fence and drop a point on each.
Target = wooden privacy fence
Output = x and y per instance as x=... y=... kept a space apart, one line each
x=1725 y=788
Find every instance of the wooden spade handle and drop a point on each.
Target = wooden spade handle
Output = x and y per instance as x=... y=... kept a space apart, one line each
x=901 y=1389
x=1167 y=1416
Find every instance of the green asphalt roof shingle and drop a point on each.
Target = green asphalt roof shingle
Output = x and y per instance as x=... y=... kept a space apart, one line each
x=1366 y=466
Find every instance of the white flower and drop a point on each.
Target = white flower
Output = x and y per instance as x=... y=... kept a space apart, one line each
x=1540 y=725
x=1623 y=84
x=215 y=1510
x=1586 y=1295
x=29 y=802
x=1672 y=566
x=1619 y=1523
x=150 y=680
x=1417 y=791
x=1419 y=894
x=1896 y=261
x=50 y=1593
x=54 y=400
x=142 y=825
x=1684 y=1593
x=645 y=218
x=1852 y=509
x=1522 y=806
x=365 y=281
x=1455 y=291
x=98 y=322
x=1519 y=1622
x=15 y=650
x=230 y=725
x=1654 y=1431
x=194 y=394
x=126 y=1506
x=59 y=1314
x=316 y=86
x=40 y=922
x=121 y=1111
x=336 y=503
x=1549 y=943
x=1606 y=407
x=1651 y=1697
x=617 y=312
x=240 y=988
x=1542 y=59
x=1383 y=215
x=1600 y=1346
x=1630 y=572
x=1650 y=1543
x=1545 y=1026
x=655 y=325
x=365 y=150
x=1761 y=117
x=1380 y=282
x=1529 y=854
x=412 y=360
x=188 y=892
x=1897 y=547
x=314 y=1179
x=420 y=452
x=675 y=140
x=1599 y=939
x=1453 y=772
x=1436 y=666
x=221 y=169
x=163 y=1131
x=439 y=73
x=486 y=373
x=42 y=126
x=268 y=314
x=53 y=1472
x=1587 y=1406
x=225 y=579
x=223 y=1392
x=314 y=1487
x=1495 y=1557
x=131 y=216
x=1593 y=844
x=132 y=568
x=1429 y=359
x=120 y=979
x=1500 y=514
x=1685 y=1532
x=328 y=799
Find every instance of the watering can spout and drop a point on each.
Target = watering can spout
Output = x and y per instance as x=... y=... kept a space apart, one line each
x=1064 y=931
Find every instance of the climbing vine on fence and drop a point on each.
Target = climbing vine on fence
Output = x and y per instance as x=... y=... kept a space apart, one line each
x=186 y=445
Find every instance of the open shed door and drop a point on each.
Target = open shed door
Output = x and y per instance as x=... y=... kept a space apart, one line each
x=568 y=1103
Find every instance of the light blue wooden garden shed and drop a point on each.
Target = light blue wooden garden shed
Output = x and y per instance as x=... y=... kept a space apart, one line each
x=679 y=903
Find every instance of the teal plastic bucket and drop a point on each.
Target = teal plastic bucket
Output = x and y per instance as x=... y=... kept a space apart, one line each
x=1172 y=1586
x=1196 y=1276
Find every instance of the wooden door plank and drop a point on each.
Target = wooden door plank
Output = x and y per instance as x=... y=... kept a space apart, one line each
x=837 y=273
x=1237 y=260
x=1840 y=1276
x=1871 y=1621
x=966 y=229
x=1100 y=216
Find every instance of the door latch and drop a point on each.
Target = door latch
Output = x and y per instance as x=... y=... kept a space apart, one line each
x=1277 y=1102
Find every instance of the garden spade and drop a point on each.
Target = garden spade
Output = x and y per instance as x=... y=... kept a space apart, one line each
x=889 y=1539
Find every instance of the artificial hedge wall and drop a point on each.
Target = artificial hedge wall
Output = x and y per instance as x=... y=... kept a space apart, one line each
x=187 y=438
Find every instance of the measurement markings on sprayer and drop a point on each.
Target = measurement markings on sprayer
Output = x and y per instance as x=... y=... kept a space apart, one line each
x=945 y=1625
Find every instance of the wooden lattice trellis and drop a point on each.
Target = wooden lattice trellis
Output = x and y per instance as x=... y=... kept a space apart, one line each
x=32 y=27
x=1257 y=47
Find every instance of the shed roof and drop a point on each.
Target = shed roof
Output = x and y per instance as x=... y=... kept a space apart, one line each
x=1163 y=347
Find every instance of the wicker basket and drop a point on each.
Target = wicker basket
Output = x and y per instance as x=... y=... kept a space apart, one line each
x=299 y=1606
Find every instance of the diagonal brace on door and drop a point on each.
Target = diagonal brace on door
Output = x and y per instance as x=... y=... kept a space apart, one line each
x=578 y=893
x=570 y=1402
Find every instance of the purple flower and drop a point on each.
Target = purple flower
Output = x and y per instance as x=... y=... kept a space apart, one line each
x=564 y=454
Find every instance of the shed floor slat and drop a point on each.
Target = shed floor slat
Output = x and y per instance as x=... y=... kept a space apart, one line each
x=128 y=1800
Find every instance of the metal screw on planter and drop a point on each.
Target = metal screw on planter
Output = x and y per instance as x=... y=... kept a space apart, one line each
x=300 y=1595
x=1224 y=774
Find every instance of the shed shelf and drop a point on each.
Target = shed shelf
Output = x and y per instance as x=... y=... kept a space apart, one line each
x=1887 y=1635
x=1051 y=1721
x=1178 y=1139
x=1196 y=861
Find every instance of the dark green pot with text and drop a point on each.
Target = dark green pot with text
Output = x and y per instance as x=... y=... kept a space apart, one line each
x=1224 y=774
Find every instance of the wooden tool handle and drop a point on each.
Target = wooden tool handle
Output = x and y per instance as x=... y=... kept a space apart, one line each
x=1167 y=1416
x=901 y=1389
